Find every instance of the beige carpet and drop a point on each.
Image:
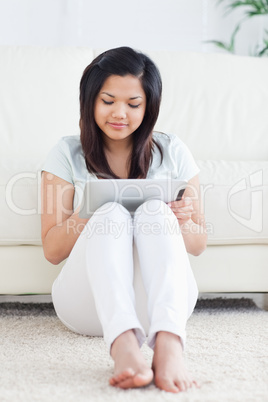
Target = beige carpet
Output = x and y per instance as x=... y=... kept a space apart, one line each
x=40 y=360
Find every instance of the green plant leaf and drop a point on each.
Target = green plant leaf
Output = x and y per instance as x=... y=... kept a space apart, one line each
x=264 y=51
x=252 y=8
x=255 y=7
x=229 y=47
x=232 y=43
x=220 y=44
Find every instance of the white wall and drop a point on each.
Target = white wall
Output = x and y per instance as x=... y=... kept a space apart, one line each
x=144 y=24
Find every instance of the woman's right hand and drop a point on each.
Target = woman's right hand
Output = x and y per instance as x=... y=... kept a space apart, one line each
x=61 y=226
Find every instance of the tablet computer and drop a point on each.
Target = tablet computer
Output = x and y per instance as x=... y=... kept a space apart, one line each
x=131 y=193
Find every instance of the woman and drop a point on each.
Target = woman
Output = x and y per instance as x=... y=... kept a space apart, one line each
x=120 y=94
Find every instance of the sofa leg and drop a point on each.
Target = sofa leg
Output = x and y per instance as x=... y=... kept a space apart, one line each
x=265 y=301
x=260 y=299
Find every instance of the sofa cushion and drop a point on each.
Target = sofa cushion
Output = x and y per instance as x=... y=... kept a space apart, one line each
x=39 y=99
x=20 y=201
x=235 y=196
x=39 y=103
x=216 y=103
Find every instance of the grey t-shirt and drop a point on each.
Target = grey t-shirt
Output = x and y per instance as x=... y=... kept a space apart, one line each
x=66 y=160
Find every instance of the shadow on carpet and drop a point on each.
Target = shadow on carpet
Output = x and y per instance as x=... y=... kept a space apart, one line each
x=222 y=303
x=46 y=309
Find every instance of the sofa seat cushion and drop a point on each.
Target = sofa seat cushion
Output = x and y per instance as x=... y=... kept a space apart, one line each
x=235 y=196
x=20 y=203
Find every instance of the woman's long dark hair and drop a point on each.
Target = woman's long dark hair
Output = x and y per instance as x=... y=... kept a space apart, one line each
x=121 y=61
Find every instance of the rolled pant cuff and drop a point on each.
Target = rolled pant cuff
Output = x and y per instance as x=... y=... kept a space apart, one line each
x=123 y=327
x=167 y=328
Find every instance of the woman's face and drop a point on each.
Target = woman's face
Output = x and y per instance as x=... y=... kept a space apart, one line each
x=120 y=107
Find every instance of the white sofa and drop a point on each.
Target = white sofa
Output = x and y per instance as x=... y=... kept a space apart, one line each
x=217 y=104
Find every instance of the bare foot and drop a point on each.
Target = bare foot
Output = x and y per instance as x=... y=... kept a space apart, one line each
x=131 y=369
x=168 y=365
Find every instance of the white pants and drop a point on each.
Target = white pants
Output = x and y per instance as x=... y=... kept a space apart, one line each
x=94 y=293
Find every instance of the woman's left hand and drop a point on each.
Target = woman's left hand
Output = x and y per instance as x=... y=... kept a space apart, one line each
x=190 y=215
x=183 y=209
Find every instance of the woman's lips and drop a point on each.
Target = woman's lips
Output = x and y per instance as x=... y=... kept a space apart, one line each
x=117 y=125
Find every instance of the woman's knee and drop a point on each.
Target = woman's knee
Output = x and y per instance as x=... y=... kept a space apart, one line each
x=155 y=217
x=152 y=208
x=112 y=209
x=110 y=218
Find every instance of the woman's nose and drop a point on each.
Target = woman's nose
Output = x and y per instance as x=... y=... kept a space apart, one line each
x=119 y=112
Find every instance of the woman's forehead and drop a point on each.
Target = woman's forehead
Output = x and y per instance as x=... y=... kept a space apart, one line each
x=128 y=85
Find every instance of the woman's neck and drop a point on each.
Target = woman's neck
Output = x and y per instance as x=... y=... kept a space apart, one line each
x=118 y=155
x=118 y=147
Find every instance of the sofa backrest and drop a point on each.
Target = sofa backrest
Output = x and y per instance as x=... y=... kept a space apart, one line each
x=215 y=103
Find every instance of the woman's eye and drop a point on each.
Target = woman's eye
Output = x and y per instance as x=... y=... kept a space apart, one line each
x=106 y=102
x=134 y=106
x=111 y=102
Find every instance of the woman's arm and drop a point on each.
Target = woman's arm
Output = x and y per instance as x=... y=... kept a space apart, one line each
x=189 y=212
x=61 y=226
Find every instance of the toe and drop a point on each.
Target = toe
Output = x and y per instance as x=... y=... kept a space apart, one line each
x=140 y=380
x=124 y=375
x=126 y=384
x=134 y=381
x=182 y=385
x=187 y=383
x=167 y=385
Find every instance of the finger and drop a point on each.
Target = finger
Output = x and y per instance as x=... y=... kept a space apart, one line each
x=185 y=202
x=183 y=213
x=183 y=217
x=183 y=209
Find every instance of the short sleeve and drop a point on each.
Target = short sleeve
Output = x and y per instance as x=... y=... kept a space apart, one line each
x=186 y=165
x=58 y=162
